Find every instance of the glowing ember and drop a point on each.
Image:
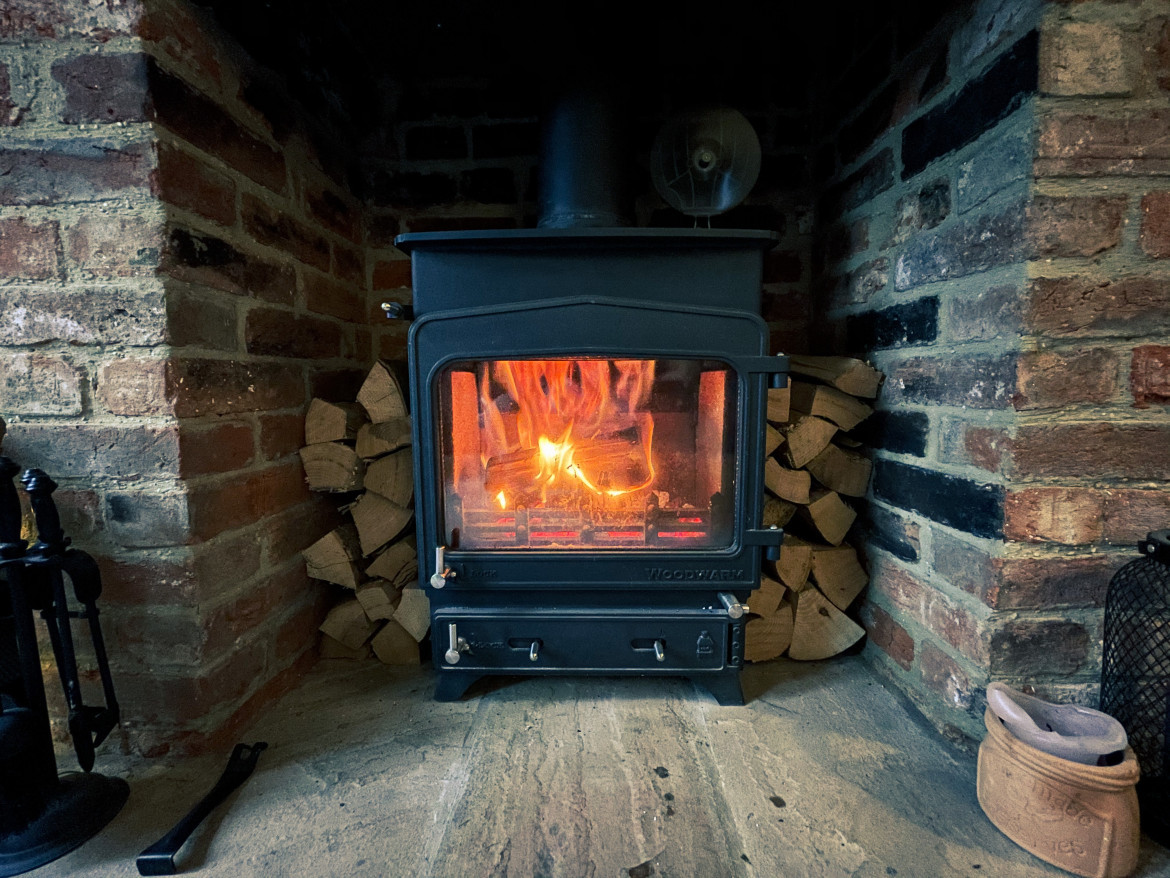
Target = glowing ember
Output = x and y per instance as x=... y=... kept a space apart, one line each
x=502 y=500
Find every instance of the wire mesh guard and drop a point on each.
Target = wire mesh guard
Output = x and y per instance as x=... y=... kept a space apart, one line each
x=1135 y=674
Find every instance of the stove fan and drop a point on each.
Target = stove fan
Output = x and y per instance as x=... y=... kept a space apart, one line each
x=705 y=161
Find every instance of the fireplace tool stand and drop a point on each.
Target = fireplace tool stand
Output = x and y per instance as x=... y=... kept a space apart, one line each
x=44 y=815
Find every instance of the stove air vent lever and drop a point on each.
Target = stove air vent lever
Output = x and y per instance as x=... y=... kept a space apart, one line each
x=456 y=645
x=442 y=571
x=735 y=609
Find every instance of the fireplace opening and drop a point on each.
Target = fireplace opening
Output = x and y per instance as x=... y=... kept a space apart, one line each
x=601 y=453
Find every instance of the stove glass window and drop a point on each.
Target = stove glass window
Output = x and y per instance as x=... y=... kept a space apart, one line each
x=571 y=454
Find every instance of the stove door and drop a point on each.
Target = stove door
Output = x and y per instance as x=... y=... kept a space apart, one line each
x=620 y=434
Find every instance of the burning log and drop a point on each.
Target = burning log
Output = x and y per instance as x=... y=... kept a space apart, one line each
x=818 y=574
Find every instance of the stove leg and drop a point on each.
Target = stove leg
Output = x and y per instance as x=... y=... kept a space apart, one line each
x=725 y=688
x=452 y=684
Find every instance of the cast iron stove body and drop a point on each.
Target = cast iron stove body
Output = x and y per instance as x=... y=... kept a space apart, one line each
x=588 y=409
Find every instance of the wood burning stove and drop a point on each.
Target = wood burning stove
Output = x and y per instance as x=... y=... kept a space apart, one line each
x=588 y=412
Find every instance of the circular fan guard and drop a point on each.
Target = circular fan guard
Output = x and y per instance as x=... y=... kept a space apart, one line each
x=705 y=162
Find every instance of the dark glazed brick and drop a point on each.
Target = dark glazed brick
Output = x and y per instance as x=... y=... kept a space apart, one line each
x=976 y=108
x=872 y=178
x=489 y=185
x=72 y=171
x=890 y=532
x=958 y=503
x=505 y=140
x=202 y=123
x=281 y=334
x=974 y=381
x=898 y=432
x=913 y=323
x=103 y=88
x=274 y=227
x=429 y=142
x=1039 y=648
x=204 y=259
x=967 y=247
x=412 y=189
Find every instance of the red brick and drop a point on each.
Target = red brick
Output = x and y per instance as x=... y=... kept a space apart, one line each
x=1084 y=59
x=281 y=434
x=327 y=296
x=391 y=274
x=1149 y=376
x=942 y=674
x=890 y=637
x=287 y=533
x=27 y=251
x=276 y=228
x=984 y=315
x=248 y=613
x=103 y=88
x=333 y=212
x=202 y=319
x=147 y=519
x=154 y=639
x=58 y=19
x=206 y=260
x=10 y=114
x=245 y=498
x=219 y=448
x=190 y=387
x=1088 y=144
x=1155 y=234
x=299 y=633
x=105 y=246
x=1055 y=379
x=181 y=33
x=186 y=182
x=38 y=384
x=1075 y=226
x=986 y=447
x=73 y=171
x=1071 y=516
x=145 y=579
x=81 y=514
x=1046 y=583
x=1130 y=514
x=1129 y=306
x=1035 y=648
x=276 y=333
x=226 y=561
x=1094 y=450
x=926 y=606
x=88 y=450
x=1157 y=36
x=349 y=265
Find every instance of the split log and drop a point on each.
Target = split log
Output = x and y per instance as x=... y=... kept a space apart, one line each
x=778 y=402
x=806 y=438
x=332 y=421
x=379 y=598
x=788 y=484
x=414 y=612
x=819 y=629
x=829 y=403
x=393 y=645
x=845 y=472
x=767 y=637
x=378 y=521
x=374 y=440
x=398 y=564
x=795 y=562
x=773 y=439
x=392 y=476
x=838 y=574
x=381 y=394
x=332 y=467
x=830 y=515
x=333 y=558
x=777 y=512
x=348 y=624
x=766 y=599
x=845 y=373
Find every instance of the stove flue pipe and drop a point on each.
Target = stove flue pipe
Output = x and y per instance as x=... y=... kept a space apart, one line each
x=583 y=163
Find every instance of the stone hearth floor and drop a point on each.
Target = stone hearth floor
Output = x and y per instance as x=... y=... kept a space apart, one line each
x=824 y=773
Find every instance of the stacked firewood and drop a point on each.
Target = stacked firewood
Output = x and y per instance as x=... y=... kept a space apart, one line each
x=813 y=474
x=361 y=453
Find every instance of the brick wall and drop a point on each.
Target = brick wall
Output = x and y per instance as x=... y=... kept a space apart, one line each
x=990 y=245
x=187 y=269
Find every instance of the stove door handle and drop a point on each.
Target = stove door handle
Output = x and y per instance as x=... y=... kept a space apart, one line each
x=442 y=571
x=735 y=609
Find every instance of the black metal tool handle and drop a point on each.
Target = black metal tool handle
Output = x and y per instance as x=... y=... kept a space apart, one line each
x=10 y=515
x=159 y=858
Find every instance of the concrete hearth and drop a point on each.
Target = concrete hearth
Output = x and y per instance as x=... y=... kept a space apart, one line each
x=823 y=773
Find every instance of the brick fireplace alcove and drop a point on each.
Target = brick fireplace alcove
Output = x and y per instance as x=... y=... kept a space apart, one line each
x=197 y=207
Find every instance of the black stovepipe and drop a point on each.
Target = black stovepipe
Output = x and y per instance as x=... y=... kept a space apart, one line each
x=43 y=815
